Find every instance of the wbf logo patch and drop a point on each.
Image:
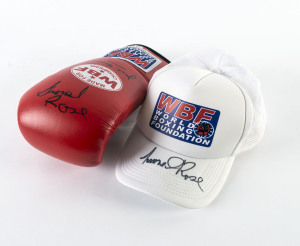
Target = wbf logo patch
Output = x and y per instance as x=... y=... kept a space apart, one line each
x=137 y=56
x=184 y=121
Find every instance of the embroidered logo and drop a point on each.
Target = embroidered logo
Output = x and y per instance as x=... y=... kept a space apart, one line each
x=184 y=121
x=136 y=55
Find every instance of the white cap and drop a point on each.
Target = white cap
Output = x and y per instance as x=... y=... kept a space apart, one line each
x=199 y=113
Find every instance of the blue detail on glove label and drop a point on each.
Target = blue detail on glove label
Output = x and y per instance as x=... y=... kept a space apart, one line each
x=136 y=55
x=184 y=121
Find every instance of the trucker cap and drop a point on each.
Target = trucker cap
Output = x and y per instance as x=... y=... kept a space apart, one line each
x=199 y=113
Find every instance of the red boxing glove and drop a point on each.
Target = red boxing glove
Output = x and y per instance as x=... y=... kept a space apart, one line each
x=71 y=114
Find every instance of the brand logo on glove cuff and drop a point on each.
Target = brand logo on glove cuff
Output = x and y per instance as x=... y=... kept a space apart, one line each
x=137 y=56
x=98 y=76
x=184 y=121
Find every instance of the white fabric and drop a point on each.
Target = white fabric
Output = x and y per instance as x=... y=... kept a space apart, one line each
x=200 y=87
x=226 y=64
x=165 y=182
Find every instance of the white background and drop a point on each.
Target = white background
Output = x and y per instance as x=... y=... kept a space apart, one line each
x=44 y=201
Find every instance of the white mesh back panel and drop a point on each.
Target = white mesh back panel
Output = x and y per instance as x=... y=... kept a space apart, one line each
x=223 y=63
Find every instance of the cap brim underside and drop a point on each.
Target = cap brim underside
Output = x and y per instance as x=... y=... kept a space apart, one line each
x=178 y=179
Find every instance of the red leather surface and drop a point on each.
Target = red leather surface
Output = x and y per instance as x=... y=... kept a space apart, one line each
x=76 y=124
